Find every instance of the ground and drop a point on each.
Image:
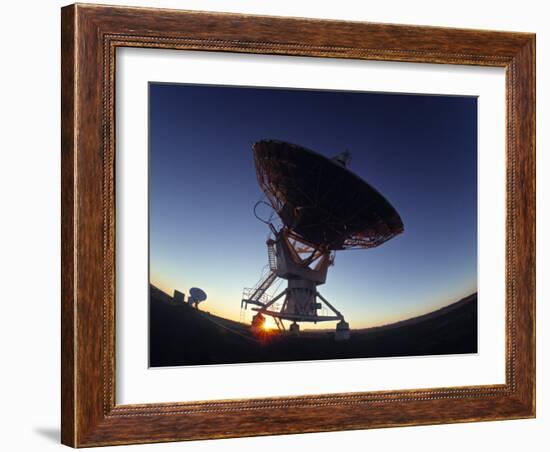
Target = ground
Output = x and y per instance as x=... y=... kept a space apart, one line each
x=181 y=335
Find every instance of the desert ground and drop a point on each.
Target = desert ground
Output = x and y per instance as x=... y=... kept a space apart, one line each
x=181 y=335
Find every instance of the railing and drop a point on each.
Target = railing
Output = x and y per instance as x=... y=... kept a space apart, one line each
x=250 y=294
x=259 y=291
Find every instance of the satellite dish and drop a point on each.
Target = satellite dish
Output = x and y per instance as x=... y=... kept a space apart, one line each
x=196 y=296
x=323 y=207
x=321 y=200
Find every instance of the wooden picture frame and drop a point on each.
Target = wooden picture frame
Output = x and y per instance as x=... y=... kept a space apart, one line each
x=90 y=36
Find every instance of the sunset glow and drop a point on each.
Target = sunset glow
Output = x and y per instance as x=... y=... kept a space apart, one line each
x=203 y=187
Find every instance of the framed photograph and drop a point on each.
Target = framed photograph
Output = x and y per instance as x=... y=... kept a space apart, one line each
x=282 y=225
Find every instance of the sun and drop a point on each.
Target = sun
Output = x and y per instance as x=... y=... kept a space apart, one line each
x=269 y=324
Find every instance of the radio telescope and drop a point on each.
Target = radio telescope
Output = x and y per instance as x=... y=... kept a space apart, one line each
x=196 y=296
x=322 y=207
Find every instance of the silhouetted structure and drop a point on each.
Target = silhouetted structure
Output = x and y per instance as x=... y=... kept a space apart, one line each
x=323 y=208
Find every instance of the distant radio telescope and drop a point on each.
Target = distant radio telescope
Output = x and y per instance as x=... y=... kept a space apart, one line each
x=323 y=208
x=196 y=296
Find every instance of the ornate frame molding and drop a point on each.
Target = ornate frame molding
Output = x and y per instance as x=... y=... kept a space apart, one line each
x=90 y=36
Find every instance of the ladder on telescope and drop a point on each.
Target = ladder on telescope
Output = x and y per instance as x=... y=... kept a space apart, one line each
x=272 y=255
x=258 y=292
x=257 y=295
x=261 y=288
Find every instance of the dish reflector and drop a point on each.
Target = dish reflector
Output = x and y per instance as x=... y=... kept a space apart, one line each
x=197 y=294
x=321 y=200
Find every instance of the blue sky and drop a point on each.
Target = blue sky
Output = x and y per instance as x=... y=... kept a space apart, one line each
x=419 y=151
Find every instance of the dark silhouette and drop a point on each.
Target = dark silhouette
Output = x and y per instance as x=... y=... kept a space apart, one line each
x=180 y=335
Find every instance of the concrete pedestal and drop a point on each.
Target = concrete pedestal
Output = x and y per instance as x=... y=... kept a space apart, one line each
x=294 y=329
x=342 y=332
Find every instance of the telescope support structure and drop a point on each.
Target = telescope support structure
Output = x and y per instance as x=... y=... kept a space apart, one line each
x=304 y=267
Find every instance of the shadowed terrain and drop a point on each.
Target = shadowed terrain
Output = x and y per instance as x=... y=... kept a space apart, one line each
x=181 y=335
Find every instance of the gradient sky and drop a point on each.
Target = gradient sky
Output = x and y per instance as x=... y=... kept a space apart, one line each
x=419 y=151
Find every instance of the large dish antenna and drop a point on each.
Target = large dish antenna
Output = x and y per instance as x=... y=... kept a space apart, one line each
x=321 y=200
x=323 y=207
